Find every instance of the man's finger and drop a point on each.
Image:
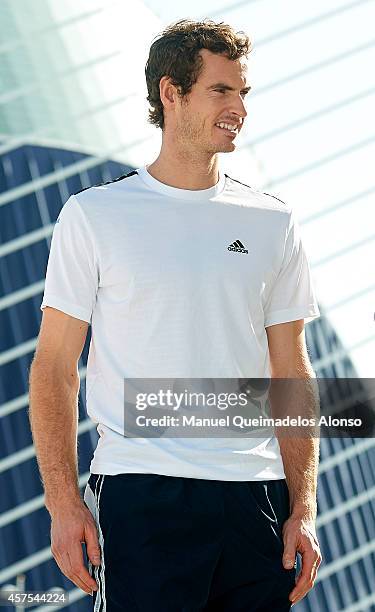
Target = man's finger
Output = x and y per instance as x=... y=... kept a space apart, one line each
x=314 y=573
x=288 y=561
x=289 y=555
x=78 y=568
x=92 y=544
x=65 y=566
x=313 y=578
x=304 y=579
x=80 y=584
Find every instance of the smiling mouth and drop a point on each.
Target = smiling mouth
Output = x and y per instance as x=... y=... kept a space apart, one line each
x=227 y=128
x=227 y=132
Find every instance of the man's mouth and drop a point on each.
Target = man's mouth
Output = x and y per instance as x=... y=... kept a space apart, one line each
x=230 y=128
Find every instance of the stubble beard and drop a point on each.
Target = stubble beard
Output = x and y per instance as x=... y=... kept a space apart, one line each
x=192 y=138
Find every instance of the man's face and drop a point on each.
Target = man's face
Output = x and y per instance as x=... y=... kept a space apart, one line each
x=216 y=98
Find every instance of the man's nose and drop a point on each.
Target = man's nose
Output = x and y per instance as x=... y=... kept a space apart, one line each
x=239 y=108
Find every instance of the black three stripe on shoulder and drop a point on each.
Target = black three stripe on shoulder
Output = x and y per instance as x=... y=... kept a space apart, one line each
x=119 y=178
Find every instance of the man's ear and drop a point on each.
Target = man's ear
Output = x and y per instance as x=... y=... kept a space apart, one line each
x=167 y=91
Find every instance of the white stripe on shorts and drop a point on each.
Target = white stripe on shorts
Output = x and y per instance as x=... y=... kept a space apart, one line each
x=92 y=501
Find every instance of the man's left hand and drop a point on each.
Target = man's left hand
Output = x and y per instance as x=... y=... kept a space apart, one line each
x=300 y=536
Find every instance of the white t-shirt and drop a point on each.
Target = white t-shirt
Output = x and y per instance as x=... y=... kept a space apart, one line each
x=177 y=284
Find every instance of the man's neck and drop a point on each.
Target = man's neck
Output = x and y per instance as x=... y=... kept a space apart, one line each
x=184 y=171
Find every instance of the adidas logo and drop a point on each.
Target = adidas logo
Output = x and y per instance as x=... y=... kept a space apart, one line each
x=238 y=247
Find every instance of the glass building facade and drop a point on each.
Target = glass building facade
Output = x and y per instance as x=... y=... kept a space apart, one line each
x=73 y=114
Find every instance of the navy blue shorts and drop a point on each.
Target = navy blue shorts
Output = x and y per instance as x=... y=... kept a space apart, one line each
x=173 y=544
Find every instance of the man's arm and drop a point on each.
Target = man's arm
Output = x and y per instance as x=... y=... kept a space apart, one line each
x=300 y=455
x=53 y=413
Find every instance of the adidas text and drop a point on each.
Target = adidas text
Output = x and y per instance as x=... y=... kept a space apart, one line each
x=231 y=248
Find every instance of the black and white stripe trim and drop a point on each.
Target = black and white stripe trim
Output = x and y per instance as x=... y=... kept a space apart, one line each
x=119 y=178
x=100 y=600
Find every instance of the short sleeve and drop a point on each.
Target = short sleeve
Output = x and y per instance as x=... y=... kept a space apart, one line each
x=292 y=295
x=72 y=277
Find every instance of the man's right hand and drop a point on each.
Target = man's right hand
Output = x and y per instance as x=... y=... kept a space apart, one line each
x=72 y=525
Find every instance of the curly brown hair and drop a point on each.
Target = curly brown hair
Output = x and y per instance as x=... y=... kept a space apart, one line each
x=175 y=53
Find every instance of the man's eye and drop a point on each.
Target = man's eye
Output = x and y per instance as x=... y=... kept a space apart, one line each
x=220 y=90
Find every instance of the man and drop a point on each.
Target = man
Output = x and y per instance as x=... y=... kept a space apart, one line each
x=183 y=273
